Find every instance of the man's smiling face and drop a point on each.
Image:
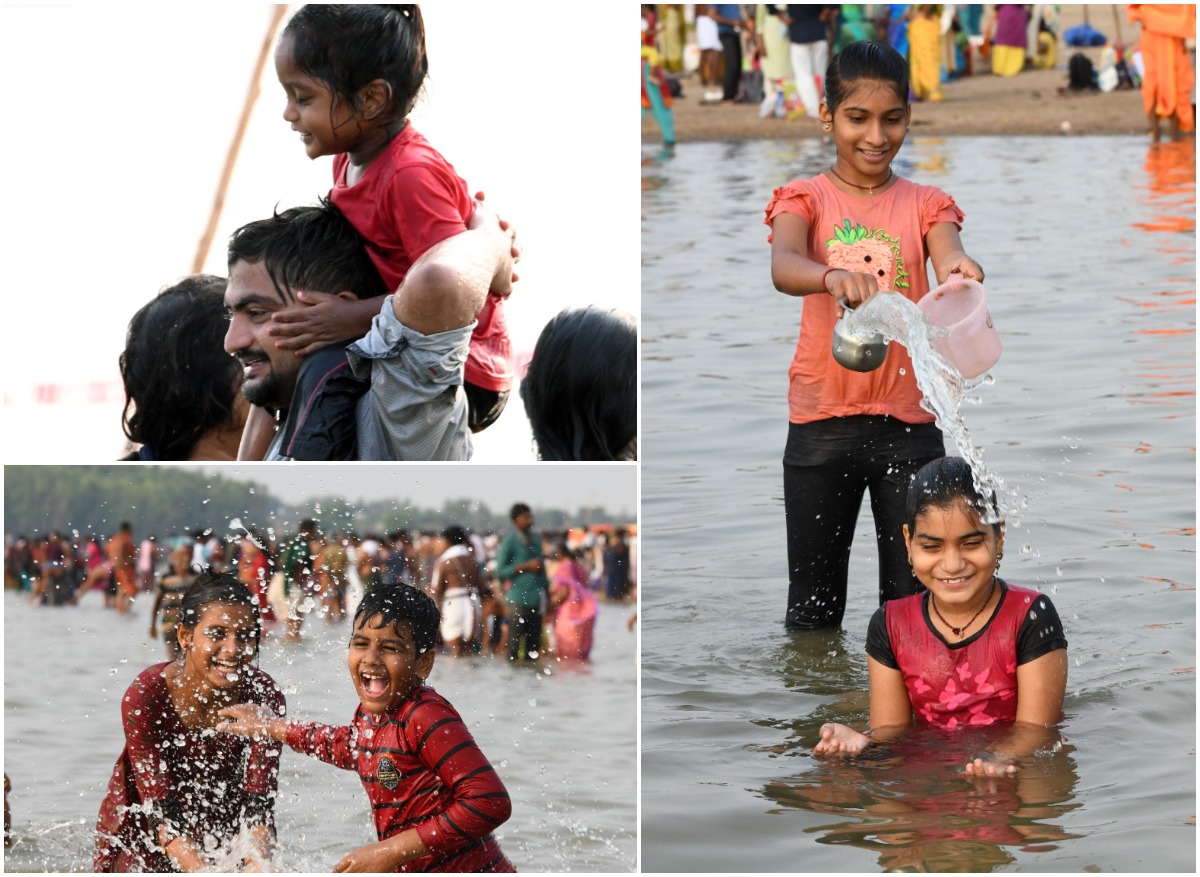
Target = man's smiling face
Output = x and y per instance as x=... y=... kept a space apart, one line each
x=269 y=373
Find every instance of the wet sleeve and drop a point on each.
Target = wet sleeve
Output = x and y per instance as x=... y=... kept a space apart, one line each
x=937 y=206
x=262 y=768
x=333 y=745
x=479 y=800
x=1041 y=631
x=796 y=197
x=879 y=646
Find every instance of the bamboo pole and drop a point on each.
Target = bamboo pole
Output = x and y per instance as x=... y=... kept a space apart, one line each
x=231 y=159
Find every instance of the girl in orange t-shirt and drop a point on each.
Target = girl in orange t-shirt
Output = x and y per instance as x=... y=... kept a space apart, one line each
x=851 y=233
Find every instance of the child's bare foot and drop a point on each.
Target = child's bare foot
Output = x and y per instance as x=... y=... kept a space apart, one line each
x=840 y=740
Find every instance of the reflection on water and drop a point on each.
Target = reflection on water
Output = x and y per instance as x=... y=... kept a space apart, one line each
x=910 y=804
x=1089 y=247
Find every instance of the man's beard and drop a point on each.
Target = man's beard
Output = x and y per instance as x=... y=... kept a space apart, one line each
x=264 y=392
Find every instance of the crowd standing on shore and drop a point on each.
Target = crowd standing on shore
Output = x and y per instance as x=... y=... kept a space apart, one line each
x=311 y=573
x=775 y=55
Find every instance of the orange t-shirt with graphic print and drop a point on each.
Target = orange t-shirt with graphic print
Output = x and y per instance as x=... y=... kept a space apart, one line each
x=883 y=235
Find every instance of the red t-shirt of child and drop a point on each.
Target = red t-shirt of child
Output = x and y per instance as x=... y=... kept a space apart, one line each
x=882 y=235
x=410 y=198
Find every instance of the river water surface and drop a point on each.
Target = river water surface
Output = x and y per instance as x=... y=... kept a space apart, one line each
x=564 y=740
x=1089 y=248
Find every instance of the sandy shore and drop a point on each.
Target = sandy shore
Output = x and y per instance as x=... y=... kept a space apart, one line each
x=1028 y=103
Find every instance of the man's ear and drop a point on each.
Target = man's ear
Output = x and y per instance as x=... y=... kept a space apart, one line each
x=374 y=98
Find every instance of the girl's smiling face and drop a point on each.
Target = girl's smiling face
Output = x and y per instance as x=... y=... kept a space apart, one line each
x=326 y=124
x=384 y=664
x=868 y=128
x=953 y=553
x=221 y=645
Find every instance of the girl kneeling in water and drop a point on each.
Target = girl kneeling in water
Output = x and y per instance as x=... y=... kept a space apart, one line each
x=969 y=651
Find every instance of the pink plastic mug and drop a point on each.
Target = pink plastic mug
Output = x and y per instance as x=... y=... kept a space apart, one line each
x=963 y=331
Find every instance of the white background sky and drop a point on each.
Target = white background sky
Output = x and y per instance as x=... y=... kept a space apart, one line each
x=120 y=118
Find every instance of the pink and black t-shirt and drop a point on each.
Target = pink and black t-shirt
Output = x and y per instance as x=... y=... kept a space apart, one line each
x=973 y=682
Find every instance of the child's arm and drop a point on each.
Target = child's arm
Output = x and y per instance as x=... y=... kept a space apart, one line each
x=328 y=743
x=384 y=855
x=794 y=273
x=946 y=253
x=1041 y=687
x=321 y=319
x=891 y=715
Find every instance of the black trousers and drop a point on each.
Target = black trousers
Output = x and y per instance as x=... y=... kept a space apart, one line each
x=524 y=633
x=732 y=76
x=827 y=466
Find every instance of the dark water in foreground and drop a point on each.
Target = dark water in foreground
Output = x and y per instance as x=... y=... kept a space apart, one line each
x=563 y=741
x=1089 y=245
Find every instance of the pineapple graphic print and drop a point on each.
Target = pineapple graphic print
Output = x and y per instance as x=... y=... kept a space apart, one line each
x=867 y=251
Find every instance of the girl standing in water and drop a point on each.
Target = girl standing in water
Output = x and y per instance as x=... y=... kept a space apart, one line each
x=848 y=234
x=177 y=783
x=970 y=651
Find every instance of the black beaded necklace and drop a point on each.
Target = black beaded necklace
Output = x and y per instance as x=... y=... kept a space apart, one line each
x=958 y=631
x=870 y=190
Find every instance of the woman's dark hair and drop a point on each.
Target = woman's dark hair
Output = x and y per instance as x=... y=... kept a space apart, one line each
x=217 y=587
x=580 y=391
x=863 y=60
x=944 y=483
x=179 y=381
x=395 y=604
x=314 y=248
x=347 y=46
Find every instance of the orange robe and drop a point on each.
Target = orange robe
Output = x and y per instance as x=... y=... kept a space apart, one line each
x=1168 y=80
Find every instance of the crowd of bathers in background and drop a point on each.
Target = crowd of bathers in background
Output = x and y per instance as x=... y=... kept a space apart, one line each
x=481 y=580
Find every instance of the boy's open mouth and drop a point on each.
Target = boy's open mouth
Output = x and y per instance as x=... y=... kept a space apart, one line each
x=374 y=685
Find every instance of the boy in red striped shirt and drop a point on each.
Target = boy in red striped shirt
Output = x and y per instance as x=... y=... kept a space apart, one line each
x=435 y=796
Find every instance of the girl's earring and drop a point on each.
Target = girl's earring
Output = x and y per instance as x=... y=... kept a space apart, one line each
x=826 y=126
x=999 y=557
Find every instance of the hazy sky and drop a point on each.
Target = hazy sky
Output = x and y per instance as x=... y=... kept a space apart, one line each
x=566 y=486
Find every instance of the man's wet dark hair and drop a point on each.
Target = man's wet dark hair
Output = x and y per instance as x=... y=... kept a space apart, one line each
x=865 y=60
x=347 y=46
x=179 y=381
x=396 y=604
x=217 y=587
x=309 y=248
x=944 y=483
x=456 y=535
x=580 y=391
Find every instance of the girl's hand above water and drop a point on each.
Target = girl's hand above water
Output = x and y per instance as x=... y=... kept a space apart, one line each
x=990 y=764
x=854 y=287
x=840 y=740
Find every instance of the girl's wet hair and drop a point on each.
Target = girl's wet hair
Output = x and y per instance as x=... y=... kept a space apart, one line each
x=865 y=60
x=172 y=401
x=347 y=46
x=396 y=604
x=944 y=483
x=217 y=587
x=580 y=391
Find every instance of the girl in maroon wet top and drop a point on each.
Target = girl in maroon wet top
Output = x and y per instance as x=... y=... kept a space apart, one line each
x=969 y=651
x=177 y=786
x=435 y=797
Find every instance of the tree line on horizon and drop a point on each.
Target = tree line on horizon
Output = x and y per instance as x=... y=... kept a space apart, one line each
x=95 y=500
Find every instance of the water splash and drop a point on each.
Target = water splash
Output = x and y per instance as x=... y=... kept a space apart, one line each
x=943 y=388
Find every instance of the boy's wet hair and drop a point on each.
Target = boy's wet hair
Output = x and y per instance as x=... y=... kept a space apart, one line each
x=347 y=46
x=944 y=483
x=310 y=248
x=395 y=604
x=865 y=60
x=217 y=587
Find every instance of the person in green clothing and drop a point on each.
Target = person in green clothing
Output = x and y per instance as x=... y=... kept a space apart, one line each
x=299 y=575
x=520 y=559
